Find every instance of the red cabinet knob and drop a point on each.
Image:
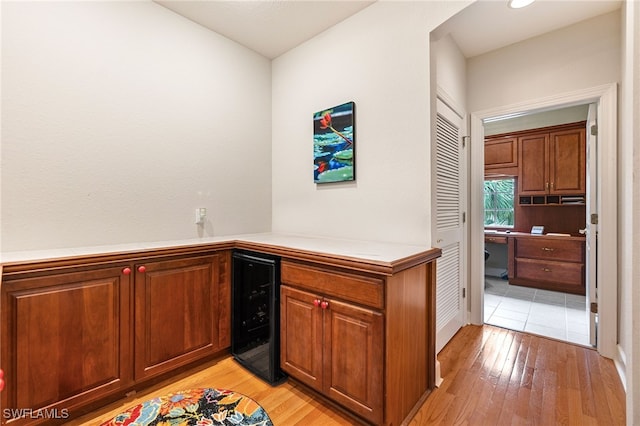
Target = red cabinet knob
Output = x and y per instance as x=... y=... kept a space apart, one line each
x=126 y=271
x=324 y=305
x=316 y=302
x=142 y=269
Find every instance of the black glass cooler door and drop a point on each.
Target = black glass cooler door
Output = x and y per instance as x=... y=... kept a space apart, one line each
x=255 y=314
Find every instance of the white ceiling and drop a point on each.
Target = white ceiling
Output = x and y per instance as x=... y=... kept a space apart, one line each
x=272 y=27
x=490 y=24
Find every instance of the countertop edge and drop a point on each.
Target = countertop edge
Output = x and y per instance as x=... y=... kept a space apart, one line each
x=416 y=255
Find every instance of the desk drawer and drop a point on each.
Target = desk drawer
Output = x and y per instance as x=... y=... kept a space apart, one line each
x=551 y=249
x=495 y=239
x=548 y=271
x=355 y=288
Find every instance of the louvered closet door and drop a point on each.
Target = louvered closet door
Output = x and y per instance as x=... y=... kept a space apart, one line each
x=448 y=234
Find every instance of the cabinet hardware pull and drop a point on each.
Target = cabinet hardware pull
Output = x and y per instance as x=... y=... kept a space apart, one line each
x=126 y=271
x=316 y=303
x=546 y=269
x=547 y=249
x=546 y=186
x=324 y=304
x=142 y=269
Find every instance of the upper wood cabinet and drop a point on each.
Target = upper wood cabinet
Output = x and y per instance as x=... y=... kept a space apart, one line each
x=500 y=153
x=567 y=161
x=552 y=163
x=533 y=154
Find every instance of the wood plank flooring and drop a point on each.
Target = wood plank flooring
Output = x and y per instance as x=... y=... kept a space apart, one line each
x=492 y=376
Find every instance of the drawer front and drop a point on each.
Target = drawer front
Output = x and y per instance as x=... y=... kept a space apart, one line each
x=355 y=288
x=550 y=248
x=495 y=239
x=547 y=271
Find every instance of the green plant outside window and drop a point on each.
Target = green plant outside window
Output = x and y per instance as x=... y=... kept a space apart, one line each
x=499 y=200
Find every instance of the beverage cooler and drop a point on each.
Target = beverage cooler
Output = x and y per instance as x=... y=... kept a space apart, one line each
x=255 y=314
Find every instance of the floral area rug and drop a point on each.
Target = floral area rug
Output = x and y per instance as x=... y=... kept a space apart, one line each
x=198 y=407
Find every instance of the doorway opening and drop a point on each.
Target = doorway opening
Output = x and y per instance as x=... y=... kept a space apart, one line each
x=535 y=209
x=604 y=184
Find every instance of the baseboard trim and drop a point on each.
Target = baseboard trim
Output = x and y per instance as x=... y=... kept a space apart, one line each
x=620 y=362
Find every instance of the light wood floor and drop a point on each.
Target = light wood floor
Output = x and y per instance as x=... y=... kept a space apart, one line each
x=492 y=376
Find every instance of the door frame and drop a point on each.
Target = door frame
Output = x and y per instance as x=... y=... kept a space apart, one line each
x=606 y=97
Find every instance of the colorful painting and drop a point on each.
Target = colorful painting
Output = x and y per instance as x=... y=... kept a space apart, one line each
x=333 y=144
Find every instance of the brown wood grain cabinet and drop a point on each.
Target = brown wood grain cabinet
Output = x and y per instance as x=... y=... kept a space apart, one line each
x=500 y=153
x=175 y=313
x=79 y=332
x=334 y=347
x=66 y=339
x=365 y=341
x=552 y=263
x=74 y=333
x=552 y=162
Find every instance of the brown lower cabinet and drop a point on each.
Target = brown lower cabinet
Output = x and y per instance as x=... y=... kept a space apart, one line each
x=363 y=340
x=551 y=263
x=75 y=334
x=335 y=348
x=174 y=320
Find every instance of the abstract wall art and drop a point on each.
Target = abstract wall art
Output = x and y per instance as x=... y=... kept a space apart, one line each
x=334 y=144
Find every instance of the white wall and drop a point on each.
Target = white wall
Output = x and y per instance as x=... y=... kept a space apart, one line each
x=378 y=58
x=120 y=118
x=583 y=55
x=629 y=205
x=451 y=72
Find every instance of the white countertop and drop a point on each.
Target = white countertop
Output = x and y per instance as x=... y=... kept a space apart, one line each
x=367 y=250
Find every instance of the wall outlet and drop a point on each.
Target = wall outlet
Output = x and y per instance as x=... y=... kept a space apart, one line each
x=201 y=214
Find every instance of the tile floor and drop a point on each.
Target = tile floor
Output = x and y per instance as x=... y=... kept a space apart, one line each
x=542 y=312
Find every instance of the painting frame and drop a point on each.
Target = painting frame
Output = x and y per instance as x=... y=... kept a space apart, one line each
x=334 y=138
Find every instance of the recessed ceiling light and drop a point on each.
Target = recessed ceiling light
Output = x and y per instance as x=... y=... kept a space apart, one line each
x=517 y=4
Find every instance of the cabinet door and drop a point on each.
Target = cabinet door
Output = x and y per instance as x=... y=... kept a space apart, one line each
x=301 y=336
x=499 y=153
x=176 y=315
x=354 y=358
x=567 y=162
x=533 y=164
x=65 y=338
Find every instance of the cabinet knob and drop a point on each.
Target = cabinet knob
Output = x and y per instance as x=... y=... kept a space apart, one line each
x=142 y=269
x=546 y=269
x=316 y=302
x=126 y=271
x=324 y=304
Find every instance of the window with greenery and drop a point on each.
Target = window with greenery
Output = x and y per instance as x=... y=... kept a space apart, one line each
x=499 y=199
